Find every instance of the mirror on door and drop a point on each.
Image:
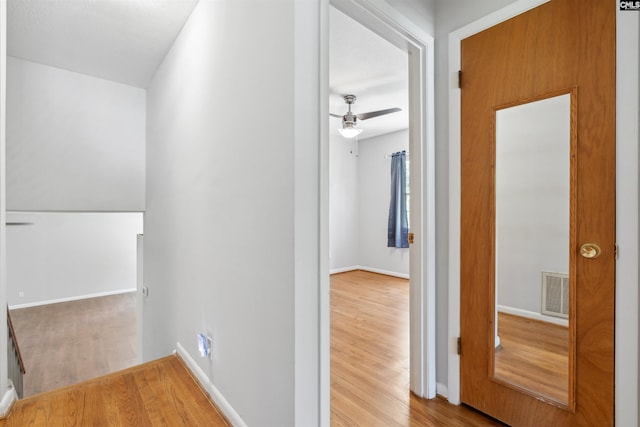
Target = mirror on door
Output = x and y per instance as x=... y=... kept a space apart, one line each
x=532 y=239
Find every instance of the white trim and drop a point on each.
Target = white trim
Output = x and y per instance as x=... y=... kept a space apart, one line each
x=387 y=22
x=369 y=269
x=344 y=269
x=627 y=227
x=385 y=272
x=514 y=9
x=532 y=315
x=442 y=390
x=10 y=397
x=390 y=16
x=627 y=206
x=324 y=290
x=75 y=298
x=308 y=120
x=429 y=207
x=381 y=18
x=52 y=211
x=140 y=295
x=455 y=38
x=221 y=403
x=4 y=341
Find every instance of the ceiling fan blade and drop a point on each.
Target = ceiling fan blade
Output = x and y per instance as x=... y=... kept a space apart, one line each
x=371 y=114
x=335 y=115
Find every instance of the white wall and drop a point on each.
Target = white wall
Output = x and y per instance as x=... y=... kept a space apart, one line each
x=627 y=236
x=360 y=180
x=74 y=142
x=450 y=15
x=532 y=199
x=221 y=225
x=344 y=206
x=374 y=181
x=61 y=256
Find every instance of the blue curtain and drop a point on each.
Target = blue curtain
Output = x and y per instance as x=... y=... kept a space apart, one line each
x=397 y=236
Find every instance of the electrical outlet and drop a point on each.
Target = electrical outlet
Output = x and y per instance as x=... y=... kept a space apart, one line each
x=21 y=294
x=205 y=343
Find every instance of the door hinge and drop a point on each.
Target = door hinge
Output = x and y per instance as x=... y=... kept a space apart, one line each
x=615 y=251
x=460 y=79
x=459 y=344
x=410 y=238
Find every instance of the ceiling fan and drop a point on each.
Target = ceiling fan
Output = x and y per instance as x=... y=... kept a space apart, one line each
x=349 y=120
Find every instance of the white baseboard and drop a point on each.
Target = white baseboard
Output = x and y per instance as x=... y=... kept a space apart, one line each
x=217 y=397
x=76 y=298
x=533 y=315
x=344 y=269
x=442 y=390
x=10 y=397
x=385 y=272
x=370 y=269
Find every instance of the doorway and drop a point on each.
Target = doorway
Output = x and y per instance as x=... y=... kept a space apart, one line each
x=360 y=165
x=369 y=279
x=419 y=46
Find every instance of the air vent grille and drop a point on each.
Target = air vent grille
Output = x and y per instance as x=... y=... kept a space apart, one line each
x=555 y=294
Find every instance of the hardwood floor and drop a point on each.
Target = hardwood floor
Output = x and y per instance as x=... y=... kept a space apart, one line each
x=369 y=371
x=370 y=359
x=534 y=355
x=159 y=393
x=69 y=342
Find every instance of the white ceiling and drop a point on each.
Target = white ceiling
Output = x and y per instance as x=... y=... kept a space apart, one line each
x=126 y=40
x=118 y=40
x=377 y=72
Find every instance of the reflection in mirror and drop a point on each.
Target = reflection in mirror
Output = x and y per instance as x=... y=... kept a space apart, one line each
x=532 y=246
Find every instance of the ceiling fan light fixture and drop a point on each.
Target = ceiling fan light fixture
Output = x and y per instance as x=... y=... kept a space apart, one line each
x=350 y=119
x=349 y=132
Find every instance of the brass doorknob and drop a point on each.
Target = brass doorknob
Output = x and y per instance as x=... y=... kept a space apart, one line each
x=590 y=250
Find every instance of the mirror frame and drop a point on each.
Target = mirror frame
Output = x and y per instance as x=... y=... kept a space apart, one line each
x=573 y=249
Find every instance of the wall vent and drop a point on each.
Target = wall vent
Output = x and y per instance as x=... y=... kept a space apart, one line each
x=555 y=294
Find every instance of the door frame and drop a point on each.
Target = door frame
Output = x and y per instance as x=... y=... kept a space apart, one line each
x=627 y=204
x=6 y=395
x=140 y=294
x=379 y=17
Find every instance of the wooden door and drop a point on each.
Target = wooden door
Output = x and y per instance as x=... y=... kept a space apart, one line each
x=564 y=46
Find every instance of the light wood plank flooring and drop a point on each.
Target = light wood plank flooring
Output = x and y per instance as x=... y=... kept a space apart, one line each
x=369 y=375
x=534 y=355
x=69 y=342
x=370 y=359
x=159 y=393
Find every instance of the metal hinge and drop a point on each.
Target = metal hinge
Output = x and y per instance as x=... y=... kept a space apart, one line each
x=615 y=251
x=460 y=79
x=410 y=238
x=459 y=345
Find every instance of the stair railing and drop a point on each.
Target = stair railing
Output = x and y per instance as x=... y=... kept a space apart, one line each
x=16 y=364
